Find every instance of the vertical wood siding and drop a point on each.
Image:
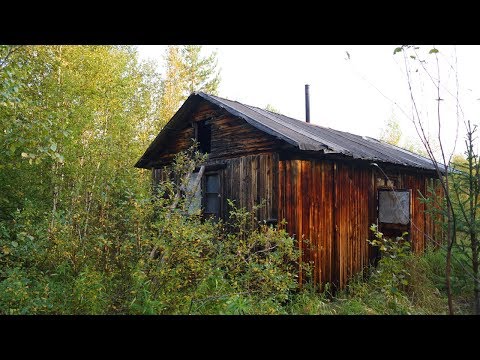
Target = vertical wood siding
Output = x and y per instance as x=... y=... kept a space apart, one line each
x=424 y=227
x=329 y=207
x=249 y=180
x=326 y=208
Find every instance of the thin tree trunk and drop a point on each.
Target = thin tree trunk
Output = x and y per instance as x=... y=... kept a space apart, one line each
x=55 y=199
x=473 y=196
x=88 y=203
x=449 y=260
x=54 y=165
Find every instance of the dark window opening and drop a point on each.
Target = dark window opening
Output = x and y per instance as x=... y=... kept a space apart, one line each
x=203 y=135
x=211 y=195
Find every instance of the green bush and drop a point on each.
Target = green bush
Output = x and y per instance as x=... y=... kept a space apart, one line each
x=202 y=268
x=391 y=276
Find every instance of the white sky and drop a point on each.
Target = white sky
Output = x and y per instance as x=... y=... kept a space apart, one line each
x=342 y=92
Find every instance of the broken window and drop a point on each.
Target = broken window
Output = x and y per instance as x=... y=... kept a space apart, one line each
x=394 y=206
x=203 y=134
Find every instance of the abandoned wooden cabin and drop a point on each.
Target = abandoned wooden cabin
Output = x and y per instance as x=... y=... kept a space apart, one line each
x=328 y=185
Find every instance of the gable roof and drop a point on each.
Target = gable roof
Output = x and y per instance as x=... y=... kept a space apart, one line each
x=303 y=135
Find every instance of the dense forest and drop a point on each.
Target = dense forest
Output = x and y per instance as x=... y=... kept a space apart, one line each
x=78 y=222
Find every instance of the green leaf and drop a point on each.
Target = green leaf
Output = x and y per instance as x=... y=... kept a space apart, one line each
x=433 y=51
x=14 y=244
x=398 y=49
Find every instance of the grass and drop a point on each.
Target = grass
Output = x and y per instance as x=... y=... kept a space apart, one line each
x=424 y=295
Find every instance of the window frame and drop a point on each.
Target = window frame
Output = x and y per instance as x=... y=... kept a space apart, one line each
x=205 y=214
x=410 y=200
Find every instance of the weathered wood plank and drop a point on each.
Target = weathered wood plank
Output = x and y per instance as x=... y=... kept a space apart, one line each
x=245 y=181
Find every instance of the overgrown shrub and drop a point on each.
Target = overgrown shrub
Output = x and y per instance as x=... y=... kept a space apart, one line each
x=402 y=277
x=391 y=276
x=202 y=268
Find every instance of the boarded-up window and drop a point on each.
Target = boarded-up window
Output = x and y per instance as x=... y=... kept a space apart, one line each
x=212 y=195
x=394 y=206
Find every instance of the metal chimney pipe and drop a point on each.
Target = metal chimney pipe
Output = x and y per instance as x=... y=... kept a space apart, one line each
x=307 y=103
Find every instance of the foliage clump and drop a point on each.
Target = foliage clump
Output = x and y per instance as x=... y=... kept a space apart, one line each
x=202 y=266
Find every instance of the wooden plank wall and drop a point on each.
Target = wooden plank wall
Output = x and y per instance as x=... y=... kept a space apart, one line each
x=352 y=220
x=329 y=207
x=231 y=136
x=180 y=142
x=247 y=180
x=158 y=175
x=424 y=229
x=250 y=179
x=434 y=231
x=417 y=219
x=326 y=207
